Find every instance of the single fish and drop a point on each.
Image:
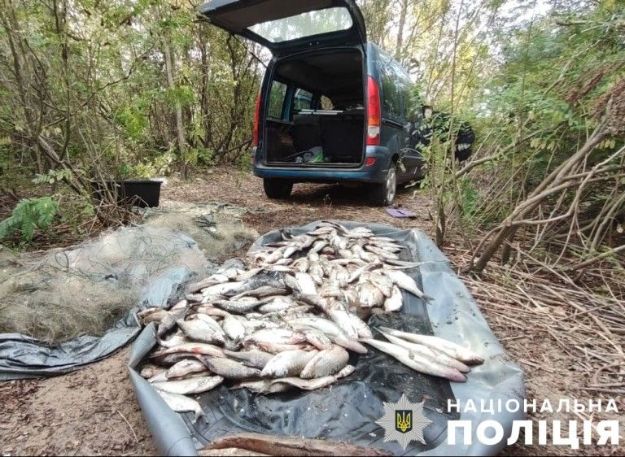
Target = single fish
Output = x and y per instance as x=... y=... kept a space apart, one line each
x=403 y=281
x=189 y=386
x=149 y=371
x=181 y=404
x=233 y=328
x=279 y=303
x=253 y=359
x=420 y=364
x=149 y=315
x=198 y=330
x=369 y=296
x=263 y=291
x=316 y=338
x=395 y=301
x=305 y=283
x=340 y=316
x=191 y=348
x=275 y=335
x=288 y=363
x=229 y=369
x=166 y=324
x=210 y=321
x=222 y=289
x=185 y=368
x=453 y=350
x=325 y=363
x=237 y=306
x=175 y=340
x=314 y=384
x=277 y=348
x=159 y=377
x=263 y=386
x=362 y=329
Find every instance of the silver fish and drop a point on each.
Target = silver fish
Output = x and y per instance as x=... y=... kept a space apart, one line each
x=189 y=386
x=237 y=306
x=229 y=369
x=181 y=404
x=305 y=283
x=263 y=386
x=191 y=348
x=314 y=384
x=279 y=303
x=253 y=359
x=325 y=363
x=198 y=330
x=149 y=371
x=233 y=328
x=277 y=336
x=288 y=363
x=369 y=296
x=317 y=338
x=222 y=289
x=395 y=301
x=185 y=368
x=403 y=281
x=340 y=316
x=173 y=341
x=362 y=329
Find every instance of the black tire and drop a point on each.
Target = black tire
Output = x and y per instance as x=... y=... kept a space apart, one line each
x=384 y=194
x=277 y=188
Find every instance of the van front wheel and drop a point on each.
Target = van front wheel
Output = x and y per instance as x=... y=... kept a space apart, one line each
x=384 y=194
x=277 y=188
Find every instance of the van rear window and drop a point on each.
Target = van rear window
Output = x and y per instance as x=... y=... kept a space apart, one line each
x=304 y=25
x=276 y=100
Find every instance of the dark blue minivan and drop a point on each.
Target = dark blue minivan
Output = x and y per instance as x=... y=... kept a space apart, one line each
x=332 y=107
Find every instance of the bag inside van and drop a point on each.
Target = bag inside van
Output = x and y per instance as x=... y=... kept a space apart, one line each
x=316 y=114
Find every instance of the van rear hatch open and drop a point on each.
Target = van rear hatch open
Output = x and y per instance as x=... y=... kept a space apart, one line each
x=286 y=27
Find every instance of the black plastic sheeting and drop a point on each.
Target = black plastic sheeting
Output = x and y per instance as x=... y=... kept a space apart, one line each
x=348 y=410
x=24 y=357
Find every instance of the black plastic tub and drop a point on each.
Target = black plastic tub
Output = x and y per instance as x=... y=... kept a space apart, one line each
x=145 y=193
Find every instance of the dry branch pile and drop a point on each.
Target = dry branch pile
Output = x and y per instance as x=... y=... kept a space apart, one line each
x=587 y=326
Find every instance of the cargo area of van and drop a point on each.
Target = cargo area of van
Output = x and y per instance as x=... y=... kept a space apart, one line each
x=315 y=114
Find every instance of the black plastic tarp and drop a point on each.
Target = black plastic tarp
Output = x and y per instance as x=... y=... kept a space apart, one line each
x=349 y=409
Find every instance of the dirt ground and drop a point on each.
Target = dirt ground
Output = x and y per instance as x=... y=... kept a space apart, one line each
x=93 y=411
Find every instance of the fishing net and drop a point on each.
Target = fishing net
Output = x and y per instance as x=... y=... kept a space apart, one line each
x=84 y=290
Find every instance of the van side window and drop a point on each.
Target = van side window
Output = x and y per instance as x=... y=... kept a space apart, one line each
x=326 y=103
x=303 y=100
x=276 y=100
x=391 y=96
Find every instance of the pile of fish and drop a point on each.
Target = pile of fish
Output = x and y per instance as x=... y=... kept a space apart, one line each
x=290 y=318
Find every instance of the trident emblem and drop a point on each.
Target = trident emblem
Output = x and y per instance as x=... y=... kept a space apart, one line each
x=403 y=420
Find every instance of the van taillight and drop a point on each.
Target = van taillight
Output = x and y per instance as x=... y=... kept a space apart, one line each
x=374 y=113
x=256 y=123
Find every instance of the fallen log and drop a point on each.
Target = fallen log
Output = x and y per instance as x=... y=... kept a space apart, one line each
x=290 y=447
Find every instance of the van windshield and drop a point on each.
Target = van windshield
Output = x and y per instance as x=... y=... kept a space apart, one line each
x=304 y=25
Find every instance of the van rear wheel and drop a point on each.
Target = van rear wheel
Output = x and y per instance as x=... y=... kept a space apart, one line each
x=277 y=188
x=384 y=194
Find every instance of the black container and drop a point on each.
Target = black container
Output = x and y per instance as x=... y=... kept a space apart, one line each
x=144 y=193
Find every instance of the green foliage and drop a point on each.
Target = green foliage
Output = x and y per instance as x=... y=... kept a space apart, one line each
x=159 y=165
x=52 y=176
x=29 y=215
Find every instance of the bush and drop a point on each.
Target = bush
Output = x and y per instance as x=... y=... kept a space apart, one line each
x=28 y=215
